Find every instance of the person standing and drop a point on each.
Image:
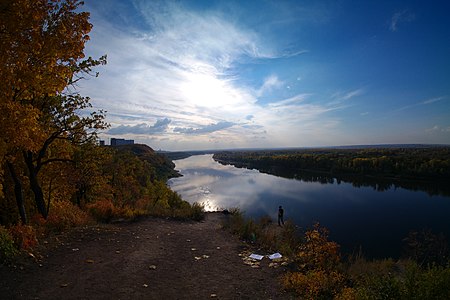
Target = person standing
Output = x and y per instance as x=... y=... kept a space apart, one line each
x=280 y=216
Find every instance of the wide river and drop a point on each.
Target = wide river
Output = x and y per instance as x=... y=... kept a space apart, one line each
x=357 y=217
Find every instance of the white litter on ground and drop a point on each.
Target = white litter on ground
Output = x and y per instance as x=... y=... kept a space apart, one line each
x=275 y=256
x=256 y=256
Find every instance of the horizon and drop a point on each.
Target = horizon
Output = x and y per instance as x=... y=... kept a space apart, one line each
x=376 y=146
x=225 y=75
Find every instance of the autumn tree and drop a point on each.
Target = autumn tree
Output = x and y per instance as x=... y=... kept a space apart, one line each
x=41 y=54
x=60 y=122
x=88 y=176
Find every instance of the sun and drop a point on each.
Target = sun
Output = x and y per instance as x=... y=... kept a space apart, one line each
x=206 y=90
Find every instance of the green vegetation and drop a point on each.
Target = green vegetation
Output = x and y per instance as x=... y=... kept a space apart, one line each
x=7 y=248
x=318 y=271
x=426 y=168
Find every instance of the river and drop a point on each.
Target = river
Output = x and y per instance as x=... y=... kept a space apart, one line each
x=358 y=218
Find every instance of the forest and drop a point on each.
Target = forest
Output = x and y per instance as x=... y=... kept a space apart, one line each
x=417 y=168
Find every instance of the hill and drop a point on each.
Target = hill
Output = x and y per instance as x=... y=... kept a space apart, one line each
x=164 y=167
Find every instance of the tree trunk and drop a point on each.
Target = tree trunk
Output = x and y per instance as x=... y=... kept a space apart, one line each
x=18 y=191
x=35 y=186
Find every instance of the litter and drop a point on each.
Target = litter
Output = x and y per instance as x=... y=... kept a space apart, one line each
x=256 y=256
x=275 y=256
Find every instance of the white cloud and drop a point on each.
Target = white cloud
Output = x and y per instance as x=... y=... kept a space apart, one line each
x=270 y=83
x=404 y=16
x=295 y=100
x=205 y=129
x=339 y=96
x=437 y=128
x=173 y=85
x=425 y=102
x=432 y=100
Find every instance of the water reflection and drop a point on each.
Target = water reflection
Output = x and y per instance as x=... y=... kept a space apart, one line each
x=375 y=220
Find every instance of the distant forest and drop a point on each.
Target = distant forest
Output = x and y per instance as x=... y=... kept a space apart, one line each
x=426 y=168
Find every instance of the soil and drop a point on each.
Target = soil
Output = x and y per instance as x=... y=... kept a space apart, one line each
x=153 y=258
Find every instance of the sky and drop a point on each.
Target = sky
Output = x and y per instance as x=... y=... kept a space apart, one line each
x=193 y=75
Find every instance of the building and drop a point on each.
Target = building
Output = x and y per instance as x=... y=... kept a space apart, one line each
x=119 y=142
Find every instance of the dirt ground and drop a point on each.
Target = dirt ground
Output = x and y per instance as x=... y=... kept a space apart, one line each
x=149 y=259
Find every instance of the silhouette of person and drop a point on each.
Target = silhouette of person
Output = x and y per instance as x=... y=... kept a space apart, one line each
x=280 y=216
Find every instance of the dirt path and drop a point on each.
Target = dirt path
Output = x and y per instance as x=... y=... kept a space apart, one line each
x=149 y=259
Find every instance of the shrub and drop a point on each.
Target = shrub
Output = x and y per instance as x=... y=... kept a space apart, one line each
x=197 y=211
x=431 y=283
x=317 y=261
x=102 y=210
x=24 y=236
x=64 y=215
x=7 y=248
x=314 y=284
x=427 y=248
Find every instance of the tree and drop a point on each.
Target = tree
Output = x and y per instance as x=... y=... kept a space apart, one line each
x=60 y=122
x=41 y=54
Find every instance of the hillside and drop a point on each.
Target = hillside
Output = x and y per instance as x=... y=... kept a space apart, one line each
x=164 y=167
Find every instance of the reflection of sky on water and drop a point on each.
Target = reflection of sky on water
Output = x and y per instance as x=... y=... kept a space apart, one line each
x=355 y=216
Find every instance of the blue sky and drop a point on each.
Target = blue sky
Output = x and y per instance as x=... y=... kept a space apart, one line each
x=186 y=75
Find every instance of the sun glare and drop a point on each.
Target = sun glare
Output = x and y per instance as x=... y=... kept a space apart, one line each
x=208 y=91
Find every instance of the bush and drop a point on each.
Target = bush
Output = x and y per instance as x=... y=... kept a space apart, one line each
x=315 y=284
x=102 y=210
x=64 y=215
x=431 y=283
x=197 y=212
x=7 y=248
x=404 y=279
x=24 y=236
x=317 y=261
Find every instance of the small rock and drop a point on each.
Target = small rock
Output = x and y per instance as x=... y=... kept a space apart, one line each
x=63 y=285
x=152 y=267
x=213 y=295
x=145 y=285
x=89 y=261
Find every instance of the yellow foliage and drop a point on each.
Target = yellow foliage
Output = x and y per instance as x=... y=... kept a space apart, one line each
x=41 y=43
x=317 y=251
x=314 y=284
x=317 y=260
x=347 y=294
x=63 y=215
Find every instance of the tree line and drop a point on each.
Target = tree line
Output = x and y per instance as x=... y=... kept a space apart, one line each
x=427 y=168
